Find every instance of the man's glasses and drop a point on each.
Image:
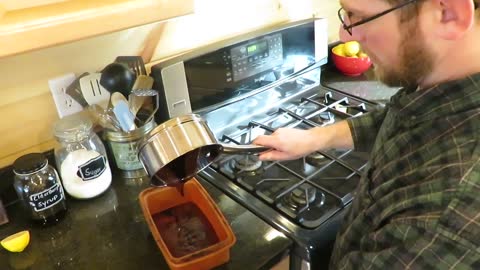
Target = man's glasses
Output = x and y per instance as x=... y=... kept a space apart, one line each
x=342 y=14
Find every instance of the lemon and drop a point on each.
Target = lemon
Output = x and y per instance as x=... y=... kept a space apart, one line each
x=339 y=50
x=16 y=242
x=362 y=55
x=351 y=48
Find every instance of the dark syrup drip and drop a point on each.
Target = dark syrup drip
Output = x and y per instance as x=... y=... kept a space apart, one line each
x=179 y=170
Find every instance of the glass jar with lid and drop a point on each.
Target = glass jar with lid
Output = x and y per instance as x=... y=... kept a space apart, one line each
x=81 y=158
x=39 y=188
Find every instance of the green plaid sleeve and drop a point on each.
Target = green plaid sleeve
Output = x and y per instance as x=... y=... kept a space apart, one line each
x=428 y=239
x=365 y=128
x=428 y=251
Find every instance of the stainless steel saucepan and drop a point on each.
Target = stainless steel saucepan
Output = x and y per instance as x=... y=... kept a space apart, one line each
x=178 y=149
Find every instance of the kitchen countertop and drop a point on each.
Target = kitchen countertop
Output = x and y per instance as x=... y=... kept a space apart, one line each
x=364 y=86
x=110 y=232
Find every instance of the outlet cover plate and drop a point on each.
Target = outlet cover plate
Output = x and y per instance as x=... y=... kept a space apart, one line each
x=65 y=104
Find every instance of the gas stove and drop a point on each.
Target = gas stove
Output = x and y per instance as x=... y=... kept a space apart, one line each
x=242 y=96
x=304 y=198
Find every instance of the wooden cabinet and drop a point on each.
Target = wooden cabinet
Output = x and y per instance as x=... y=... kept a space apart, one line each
x=34 y=24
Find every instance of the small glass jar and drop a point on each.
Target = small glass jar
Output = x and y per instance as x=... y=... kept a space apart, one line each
x=81 y=158
x=39 y=188
x=124 y=149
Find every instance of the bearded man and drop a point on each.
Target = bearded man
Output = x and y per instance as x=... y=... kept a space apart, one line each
x=418 y=204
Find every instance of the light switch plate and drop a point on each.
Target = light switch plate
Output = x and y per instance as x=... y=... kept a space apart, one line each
x=65 y=104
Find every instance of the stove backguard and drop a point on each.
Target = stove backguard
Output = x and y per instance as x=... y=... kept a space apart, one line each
x=233 y=69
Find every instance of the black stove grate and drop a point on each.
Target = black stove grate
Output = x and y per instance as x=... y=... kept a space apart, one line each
x=309 y=190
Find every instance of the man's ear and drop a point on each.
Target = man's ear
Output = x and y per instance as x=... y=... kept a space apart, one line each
x=451 y=18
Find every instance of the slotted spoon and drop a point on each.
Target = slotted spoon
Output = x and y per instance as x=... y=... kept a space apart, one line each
x=93 y=92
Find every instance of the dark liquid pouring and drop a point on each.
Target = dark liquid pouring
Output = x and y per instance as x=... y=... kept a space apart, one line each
x=179 y=188
x=185 y=229
x=179 y=170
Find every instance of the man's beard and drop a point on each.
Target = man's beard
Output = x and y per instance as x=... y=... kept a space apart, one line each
x=416 y=62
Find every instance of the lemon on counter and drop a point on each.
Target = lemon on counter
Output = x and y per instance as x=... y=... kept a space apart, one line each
x=16 y=242
x=351 y=48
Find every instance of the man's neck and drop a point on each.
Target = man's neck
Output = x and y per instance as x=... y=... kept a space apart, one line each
x=457 y=62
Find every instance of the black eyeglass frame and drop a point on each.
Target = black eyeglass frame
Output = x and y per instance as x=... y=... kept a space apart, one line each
x=348 y=28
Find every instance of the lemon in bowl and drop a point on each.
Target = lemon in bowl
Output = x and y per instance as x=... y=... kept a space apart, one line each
x=16 y=242
x=351 y=48
x=339 y=50
x=350 y=59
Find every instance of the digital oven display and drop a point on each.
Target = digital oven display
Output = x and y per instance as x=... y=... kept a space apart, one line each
x=256 y=56
x=259 y=47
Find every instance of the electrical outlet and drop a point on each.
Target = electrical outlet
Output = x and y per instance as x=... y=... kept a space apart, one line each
x=65 y=104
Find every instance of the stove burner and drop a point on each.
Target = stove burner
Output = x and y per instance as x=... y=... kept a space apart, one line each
x=246 y=164
x=300 y=197
x=316 y=159
x=289 y=85
x=326 y=116
x=305 y=109
x=323 y=118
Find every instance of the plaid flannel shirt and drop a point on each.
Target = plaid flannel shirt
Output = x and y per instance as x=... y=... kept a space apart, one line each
x=418 y=204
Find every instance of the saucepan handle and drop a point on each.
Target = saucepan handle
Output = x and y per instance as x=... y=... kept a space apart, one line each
x=244 y=149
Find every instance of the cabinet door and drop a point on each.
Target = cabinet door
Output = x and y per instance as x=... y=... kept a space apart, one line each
x=11 y=5
x=27 y=25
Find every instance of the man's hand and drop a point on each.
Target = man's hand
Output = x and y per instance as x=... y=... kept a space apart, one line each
x=288 y=143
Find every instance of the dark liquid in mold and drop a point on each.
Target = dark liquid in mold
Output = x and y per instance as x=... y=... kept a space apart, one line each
x=185 y=229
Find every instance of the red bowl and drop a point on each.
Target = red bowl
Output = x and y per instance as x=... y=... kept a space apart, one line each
x=351 y=66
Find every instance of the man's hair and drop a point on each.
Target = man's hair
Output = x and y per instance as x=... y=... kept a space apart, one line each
x=408 y=12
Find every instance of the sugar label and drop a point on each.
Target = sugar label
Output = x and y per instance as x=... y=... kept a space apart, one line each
x=92 y=169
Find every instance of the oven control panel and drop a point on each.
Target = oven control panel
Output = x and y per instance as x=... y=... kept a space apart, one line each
x=229 y=70
x=254 y=57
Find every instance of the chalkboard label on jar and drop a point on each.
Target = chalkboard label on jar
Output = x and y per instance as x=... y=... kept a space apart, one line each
x=48 y=198
x=92 y=169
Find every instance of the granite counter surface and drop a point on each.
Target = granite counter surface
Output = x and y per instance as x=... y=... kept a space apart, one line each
x=110 y=232
x=364 y=86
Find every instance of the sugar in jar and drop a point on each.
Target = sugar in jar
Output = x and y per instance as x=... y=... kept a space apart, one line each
x=81 y=158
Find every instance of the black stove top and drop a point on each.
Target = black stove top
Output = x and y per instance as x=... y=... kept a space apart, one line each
x=307 y=191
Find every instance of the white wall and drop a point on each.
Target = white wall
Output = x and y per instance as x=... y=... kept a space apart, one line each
x=27 y=111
